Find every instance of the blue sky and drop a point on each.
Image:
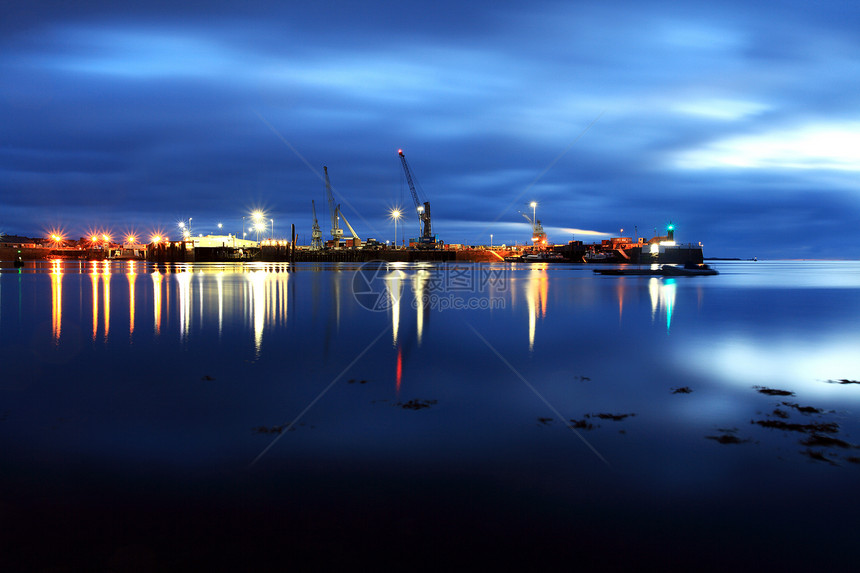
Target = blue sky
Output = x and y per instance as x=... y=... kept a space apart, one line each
x=738 y=122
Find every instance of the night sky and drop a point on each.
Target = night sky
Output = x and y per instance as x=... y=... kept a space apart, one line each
x=739 y=122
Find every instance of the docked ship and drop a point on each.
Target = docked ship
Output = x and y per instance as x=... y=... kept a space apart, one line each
x=625 y=250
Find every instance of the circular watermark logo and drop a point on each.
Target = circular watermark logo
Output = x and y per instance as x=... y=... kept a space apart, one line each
x=376 y=286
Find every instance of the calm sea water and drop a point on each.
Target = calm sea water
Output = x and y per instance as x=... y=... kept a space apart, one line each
x=421 y=414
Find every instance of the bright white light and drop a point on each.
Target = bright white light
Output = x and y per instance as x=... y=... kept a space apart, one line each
x=815 y=147
x=798 y=362
x=721 y=109
x=571 y=231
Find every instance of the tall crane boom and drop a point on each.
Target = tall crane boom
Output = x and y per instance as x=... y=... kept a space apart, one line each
x=356 y=240
x=336 y=231
x=427 y=238
x=316 y=233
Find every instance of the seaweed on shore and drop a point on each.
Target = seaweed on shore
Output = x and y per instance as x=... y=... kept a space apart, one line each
x=613 y=417
x=727 y=439
x=824 y=427
x=818 y=441
x=581 y=424
x=269 y=430
x=772 y=391
x=843 y=381
x=780 y=413
x=682 y=390
x=803 y=409
x=415 y=404
x=818 y=456
x=545 y=421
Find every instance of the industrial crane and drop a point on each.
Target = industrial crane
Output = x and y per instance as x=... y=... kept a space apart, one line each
x=356 y=241
x=316 y=233
x=538 y=234
x=336 y=231
x=427 y=240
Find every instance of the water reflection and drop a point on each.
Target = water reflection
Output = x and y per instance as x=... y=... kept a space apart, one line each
x=258 y=293
x=220 y=281
x=394 y=290
x=422 y=304
x=157 y=280
x=662 y=293
x=132 y=276
x=56 y=299
x=183 y=283
x=106 y=275
x=536 y=299
x=94 y=279
x=257 y=296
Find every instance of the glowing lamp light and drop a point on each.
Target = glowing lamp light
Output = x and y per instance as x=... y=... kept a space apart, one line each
x=671 y=227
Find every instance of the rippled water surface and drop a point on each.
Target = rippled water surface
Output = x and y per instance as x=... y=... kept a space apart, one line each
x=316 y=414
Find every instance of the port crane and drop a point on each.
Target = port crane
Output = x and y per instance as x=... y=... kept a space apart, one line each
x=538 y=234
x=427 y=240
x=316 y=233
x=356 y=241
x=336 y=231
x=336 y=216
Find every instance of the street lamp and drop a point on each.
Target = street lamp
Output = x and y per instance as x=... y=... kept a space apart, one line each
x=273 y=229
x=533 y=205
x=186 y=229
x=395 y=214
x=257 y=216
x=491 y=240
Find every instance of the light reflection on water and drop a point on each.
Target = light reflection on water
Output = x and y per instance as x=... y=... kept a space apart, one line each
x=738 y=337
